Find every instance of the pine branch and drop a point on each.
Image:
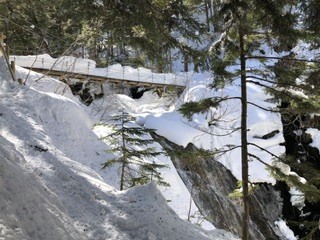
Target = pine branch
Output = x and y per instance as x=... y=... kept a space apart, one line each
x=260 y=79
x=190 y=108
x=260 y=160
x=270 y=88
x=265 y=150
x=111 y=162
x=281 y=58
x=221 y=152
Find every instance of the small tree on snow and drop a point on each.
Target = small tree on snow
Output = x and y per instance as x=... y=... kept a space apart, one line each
x=130 y=150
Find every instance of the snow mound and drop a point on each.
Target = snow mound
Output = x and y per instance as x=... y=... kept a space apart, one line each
x=51 y=183
x=29 y=209
x=161 y=220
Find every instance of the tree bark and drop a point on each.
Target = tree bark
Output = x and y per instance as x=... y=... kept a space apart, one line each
x=124 y=157
x=244 y=140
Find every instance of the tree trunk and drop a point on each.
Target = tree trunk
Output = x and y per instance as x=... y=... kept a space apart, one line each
x=124 y=157
x=216 y=18
x=186 y=64
x=244 y=140
x=206 y=4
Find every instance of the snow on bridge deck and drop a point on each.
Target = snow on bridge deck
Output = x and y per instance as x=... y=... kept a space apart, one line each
x=86 y=69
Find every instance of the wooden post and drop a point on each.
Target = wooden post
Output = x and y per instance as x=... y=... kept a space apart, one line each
x=6 y=48
x=5 y=53
x=13 y=68
x=2 y=38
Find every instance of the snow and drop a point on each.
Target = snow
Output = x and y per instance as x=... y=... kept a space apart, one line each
x=297 y=198
x=52 y=185
x=315 y=135
x=170 y=124
x=26 y=202
x=177 y=194
x=173 y=126
x=284 y=230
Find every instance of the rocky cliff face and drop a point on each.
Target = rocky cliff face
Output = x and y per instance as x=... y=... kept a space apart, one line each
x=210 y=183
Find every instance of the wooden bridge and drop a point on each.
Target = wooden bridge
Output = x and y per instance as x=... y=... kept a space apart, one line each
x=85 y=70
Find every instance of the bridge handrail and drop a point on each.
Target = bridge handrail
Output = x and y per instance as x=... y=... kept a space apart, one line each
x=87 y=67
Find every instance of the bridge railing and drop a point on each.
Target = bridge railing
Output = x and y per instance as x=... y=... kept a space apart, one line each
x=85 y=66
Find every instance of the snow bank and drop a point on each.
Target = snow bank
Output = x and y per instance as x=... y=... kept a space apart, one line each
x=163 y=221
x=52 y=186
x=174 y=128
x=284 y=230
x=29 y=209
x=260 y=123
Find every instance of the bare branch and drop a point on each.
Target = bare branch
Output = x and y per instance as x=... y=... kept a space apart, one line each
x=259 y=84
x=265 y=150
x=259 y=159
x=261 y=79
x=265 y=109
x=213 y=134
x=224 y=151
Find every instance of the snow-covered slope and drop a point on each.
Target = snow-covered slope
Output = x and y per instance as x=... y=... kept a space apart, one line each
x=198 y=131
x=51 y=184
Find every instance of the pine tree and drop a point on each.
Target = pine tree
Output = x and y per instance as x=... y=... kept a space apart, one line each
x=153 y=27
x=105 y=31
x=247 y=26
x=45 y=26
x=297 y=116
x=131 y=151
x=274 y=24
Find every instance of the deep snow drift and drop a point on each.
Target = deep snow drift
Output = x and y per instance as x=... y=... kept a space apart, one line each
x=52 y=186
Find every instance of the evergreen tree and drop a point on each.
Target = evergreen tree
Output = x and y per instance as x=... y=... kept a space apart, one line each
x=154 y=27
x=131 y=151
x=310 y=18
x=43 y=26
x=297 y=112
x=105 y=31
x=247 y=26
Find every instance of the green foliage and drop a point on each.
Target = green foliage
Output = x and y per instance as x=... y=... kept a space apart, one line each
x=310 y=188
x=252 y=29
x=107 y=31
x=222 y=75
x=43 y=26
x=311 y=18
x=131 y=151
x=190 y=108
x=237 y=193
x=150 y=173
x=191 y=155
